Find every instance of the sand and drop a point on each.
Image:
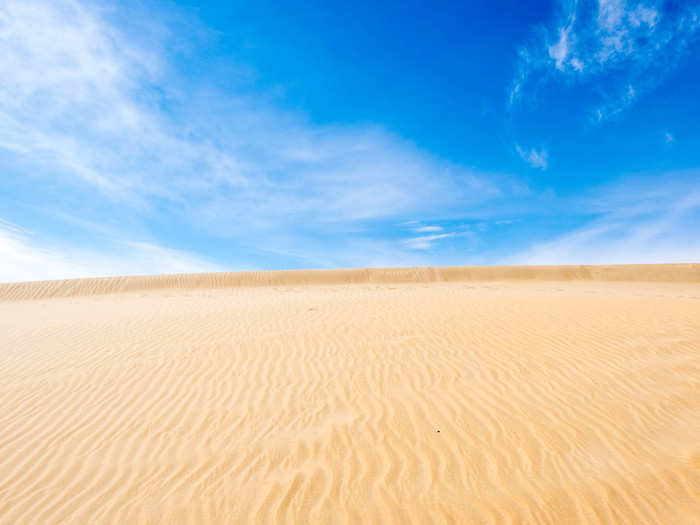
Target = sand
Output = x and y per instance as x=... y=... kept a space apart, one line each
x=454 y=395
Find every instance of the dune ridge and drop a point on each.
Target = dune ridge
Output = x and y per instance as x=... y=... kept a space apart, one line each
x=683 y=272
x=442 y=399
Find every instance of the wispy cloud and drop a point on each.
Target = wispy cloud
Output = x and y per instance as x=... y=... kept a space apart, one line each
x=638 y=220
x=431 y=235
x=536 y=159
x=103 y=123
x=616 y=104
x=632 y=43
x=425 y=242
x=97 y=110
x=27 y=258
x=118 y=120
x=426 y=229
x=668 y=138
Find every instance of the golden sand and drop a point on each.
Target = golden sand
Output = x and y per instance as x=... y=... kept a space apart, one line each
x=430 y=395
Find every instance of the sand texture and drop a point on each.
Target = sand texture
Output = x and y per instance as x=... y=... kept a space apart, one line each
x=454 y=395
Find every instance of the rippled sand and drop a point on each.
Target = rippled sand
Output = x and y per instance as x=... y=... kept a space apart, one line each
x=494 y=395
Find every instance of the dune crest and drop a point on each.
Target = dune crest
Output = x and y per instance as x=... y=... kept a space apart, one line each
x=686 y=272
x=430 y=395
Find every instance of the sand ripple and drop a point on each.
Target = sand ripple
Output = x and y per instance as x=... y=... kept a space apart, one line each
x=556 y=401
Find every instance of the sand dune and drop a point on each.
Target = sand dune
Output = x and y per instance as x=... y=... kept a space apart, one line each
x=681 y=273
x=430 y=395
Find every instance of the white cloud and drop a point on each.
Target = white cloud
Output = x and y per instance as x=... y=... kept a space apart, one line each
x=427 y=229
x=536 y=159
x=634 y=43
x=26 y=258
x=668 y=138
x=227 y=156
x=119 y=125
x=652 y=220
x=425 y=242
x=616 y=104
x=560 y=50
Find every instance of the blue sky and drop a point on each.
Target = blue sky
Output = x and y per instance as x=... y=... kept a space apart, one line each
x=162 y=137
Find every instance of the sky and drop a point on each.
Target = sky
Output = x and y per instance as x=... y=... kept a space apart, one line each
x=168 y=137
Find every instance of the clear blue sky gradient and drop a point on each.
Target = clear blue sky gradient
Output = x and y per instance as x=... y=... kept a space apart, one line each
x=188 y=136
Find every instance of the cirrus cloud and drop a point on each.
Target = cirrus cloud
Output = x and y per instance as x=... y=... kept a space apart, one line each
x=123 y=126
x=632 y=45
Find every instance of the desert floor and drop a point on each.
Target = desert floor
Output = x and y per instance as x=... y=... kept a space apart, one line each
x=551 y=397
